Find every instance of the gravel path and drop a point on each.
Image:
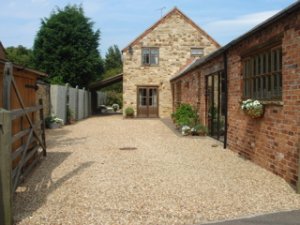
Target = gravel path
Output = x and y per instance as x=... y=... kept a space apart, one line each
x=168 y=179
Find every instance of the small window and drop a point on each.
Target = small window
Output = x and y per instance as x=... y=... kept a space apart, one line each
x=197 y=52
x=150 y=56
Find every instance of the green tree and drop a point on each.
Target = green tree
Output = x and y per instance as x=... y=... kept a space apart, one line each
x=113 y=59
x=20 y=55
x=113 y=66
x=66 y=47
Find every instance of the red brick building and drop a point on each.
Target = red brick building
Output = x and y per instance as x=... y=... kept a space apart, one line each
x=263 y=64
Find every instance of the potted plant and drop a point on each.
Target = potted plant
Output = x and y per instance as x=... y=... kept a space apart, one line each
x=199 y=130
x=129 y=112
x=253 y=108
x=70 y=116
x=115 y=107
x=53 y=122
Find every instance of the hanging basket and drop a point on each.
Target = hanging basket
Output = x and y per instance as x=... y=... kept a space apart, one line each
x=254 y=113
x=253 y=108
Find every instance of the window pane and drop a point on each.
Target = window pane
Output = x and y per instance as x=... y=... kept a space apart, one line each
x=146 y=56
x=264 y=63
x=280 y=59
x=154 y=56
x=258 y=65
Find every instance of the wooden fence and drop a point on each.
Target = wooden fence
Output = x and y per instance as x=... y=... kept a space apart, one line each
x=21 y=150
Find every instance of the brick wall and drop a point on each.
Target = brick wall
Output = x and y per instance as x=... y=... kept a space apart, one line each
x=273 y=141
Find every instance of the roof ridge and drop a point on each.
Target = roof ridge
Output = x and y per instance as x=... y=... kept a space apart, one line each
x=173 y=10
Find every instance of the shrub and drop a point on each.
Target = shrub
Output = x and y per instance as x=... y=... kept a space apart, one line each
x=70 y=115
x=113 y=97
x=115 y=107
x=53 y=119
x=129 y=112
x=199 y=129
x=186 y=115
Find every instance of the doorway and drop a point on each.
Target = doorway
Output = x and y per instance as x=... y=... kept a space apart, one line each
x=216 y=105
x=147 y=102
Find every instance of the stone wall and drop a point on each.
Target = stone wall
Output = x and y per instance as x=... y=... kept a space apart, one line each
x=174 y=37
x=43 y=93
x=273 y=141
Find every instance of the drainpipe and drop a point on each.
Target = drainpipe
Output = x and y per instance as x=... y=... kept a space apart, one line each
x=225 y=97
x=298 y=182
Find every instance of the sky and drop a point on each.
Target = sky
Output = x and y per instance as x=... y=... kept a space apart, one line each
x=121 y=21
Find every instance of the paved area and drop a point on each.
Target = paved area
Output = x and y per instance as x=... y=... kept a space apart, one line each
x=110 y=170
x=282 y=218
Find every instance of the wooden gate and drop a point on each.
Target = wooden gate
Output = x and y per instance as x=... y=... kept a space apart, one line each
x=20 y=149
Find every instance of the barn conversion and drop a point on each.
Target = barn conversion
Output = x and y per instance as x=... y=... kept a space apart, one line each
x=263 y=64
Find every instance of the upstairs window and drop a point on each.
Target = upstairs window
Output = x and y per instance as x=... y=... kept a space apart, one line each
x=196 y=52
x=150 y=56
x=262 y=75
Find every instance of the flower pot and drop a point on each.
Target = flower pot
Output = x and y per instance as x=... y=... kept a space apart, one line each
x=254 y=114
x=54 y=125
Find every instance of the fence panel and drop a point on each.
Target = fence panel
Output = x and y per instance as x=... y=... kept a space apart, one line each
x=73 y=99
x=59 y=101
x=80 y=104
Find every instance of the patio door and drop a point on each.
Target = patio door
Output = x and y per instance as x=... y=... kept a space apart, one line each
x=216 y=105
x=147 y=100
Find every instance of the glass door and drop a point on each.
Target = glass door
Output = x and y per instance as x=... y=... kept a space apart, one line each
x=215 y=105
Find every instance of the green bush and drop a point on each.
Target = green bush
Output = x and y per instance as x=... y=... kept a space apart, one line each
x=186 y=115
x=199 y=129
x=113 y=97
x=129 y=112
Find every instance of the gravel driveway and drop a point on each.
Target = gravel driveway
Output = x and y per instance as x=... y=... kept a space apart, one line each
x=167 y=179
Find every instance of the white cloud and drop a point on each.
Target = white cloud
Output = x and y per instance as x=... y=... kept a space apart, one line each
x=227 y=30
x=39 y=1
x=250 y=19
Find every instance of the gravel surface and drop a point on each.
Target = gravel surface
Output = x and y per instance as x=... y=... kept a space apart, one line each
x=167 y=179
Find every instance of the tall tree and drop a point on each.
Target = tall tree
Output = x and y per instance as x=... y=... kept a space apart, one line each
x=113 y=58
x=113 y=66
x=66 y=47
x=20 y=55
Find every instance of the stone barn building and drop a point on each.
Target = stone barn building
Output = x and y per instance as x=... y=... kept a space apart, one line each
x=156 y=55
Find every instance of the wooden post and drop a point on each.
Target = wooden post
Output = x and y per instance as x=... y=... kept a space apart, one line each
x=67 y=103
x=7 y=78
x=77 y=104
x=83 y=103
x=6 y=214
x=43 y=126
x=94 y=101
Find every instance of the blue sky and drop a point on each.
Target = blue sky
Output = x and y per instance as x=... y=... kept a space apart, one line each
x=121 y=21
